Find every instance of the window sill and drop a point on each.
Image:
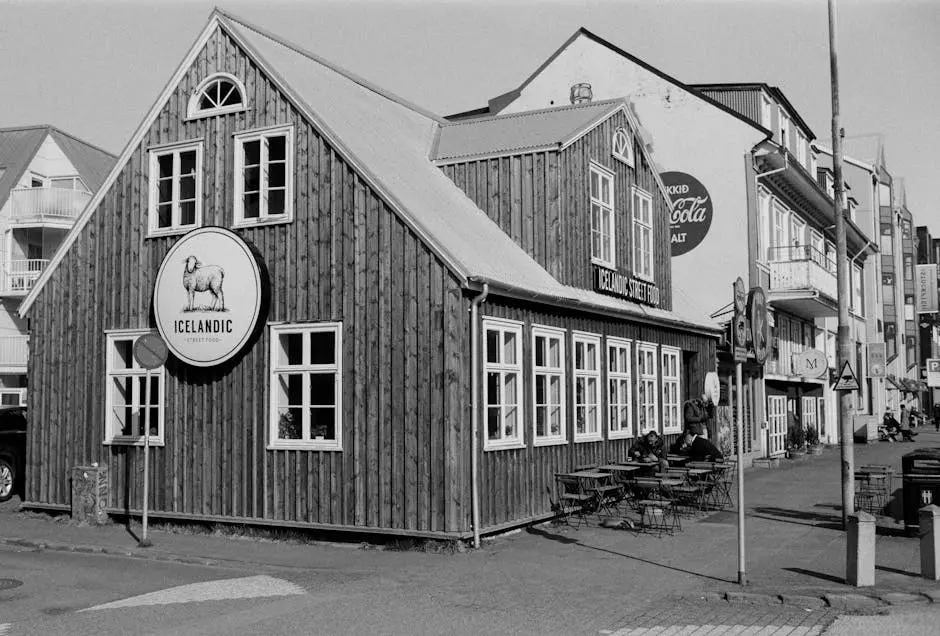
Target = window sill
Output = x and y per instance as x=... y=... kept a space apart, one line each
x=176 y=231
x=132 y=441
x=645 y=278
x=514 y=445
x=588 y=438
x=306 y=446
x=550 y=442
x=600 y=263
x=228 y=110
x=624 y=159
x=282 y=220
x=619 y=435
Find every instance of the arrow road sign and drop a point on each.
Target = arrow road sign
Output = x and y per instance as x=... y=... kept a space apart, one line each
x=847 y=380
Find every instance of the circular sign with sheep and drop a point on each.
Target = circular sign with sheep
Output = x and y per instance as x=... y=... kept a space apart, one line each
x=207 y=296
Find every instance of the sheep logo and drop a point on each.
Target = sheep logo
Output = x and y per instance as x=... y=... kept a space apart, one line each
x=203 y=278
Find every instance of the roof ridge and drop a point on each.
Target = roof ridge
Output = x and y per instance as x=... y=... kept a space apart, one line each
x=83 y=141
x=361 y=81
x=537 y=111
x=26 y=127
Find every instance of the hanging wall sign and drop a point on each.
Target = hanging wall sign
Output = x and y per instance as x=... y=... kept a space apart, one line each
x=810 y=363
x=607 y=281
x=691 y=211
x=760 y=330
x=927 y=289
x=207 y=296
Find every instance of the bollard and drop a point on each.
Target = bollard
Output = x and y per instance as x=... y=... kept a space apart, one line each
x=860 y=566
x=929 y=517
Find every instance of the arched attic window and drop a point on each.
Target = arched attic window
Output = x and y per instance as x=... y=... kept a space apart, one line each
x=218 y=94
x=623 y=146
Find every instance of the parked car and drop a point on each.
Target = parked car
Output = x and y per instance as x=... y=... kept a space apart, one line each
x=12 y=450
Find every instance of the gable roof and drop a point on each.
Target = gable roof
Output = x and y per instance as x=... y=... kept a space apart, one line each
x=387 y=140
x=498 y=103
x=19 y=145
x=545 y=129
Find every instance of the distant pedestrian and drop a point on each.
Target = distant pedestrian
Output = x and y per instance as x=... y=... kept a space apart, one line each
x=936 y=416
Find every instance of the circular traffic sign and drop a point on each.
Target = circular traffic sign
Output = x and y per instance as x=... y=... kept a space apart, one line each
x=740 y=295
x=150 y=351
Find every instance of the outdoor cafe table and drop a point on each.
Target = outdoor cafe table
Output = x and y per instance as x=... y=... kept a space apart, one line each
x=599 y=483
x=678 y=460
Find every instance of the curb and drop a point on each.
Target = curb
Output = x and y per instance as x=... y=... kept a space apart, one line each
x=846 y=602
x=123 y=552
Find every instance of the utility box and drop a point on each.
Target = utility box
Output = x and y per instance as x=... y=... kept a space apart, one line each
x=90 y=490
x=921 y=470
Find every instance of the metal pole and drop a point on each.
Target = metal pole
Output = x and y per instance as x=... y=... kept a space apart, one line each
x=846 y=429
x=742 y=572
x=145 y=402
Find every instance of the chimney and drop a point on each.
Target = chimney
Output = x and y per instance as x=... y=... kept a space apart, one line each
x=581 y=93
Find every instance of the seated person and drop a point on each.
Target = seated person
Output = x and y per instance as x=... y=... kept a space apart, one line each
x=906 y=433
x=891 y=426
x=649 y=448
x=698 y=448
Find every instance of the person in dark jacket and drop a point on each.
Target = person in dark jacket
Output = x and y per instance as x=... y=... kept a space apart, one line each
x=650 y=448
x=696 y=414
x=936 y=416
x=699 y=449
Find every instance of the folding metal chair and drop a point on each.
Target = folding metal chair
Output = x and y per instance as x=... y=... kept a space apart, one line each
x=572 y=499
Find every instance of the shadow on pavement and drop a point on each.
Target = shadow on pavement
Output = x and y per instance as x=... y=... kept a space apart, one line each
x=569 y=541
x=802 y=517
x=819 y=575
x=885 y=568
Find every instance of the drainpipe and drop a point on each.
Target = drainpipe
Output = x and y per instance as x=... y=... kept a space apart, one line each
x=475 y=412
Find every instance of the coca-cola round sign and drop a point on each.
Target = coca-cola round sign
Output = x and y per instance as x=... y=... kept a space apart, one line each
x=691 y=211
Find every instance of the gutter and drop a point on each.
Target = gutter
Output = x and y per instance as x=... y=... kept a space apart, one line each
x=786 y=164
x=475 y=411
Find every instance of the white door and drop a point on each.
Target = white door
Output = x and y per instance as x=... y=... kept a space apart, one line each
x=809 y=413
x=777 y=424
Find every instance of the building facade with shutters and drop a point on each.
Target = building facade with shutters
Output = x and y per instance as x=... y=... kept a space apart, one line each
x=416 y=324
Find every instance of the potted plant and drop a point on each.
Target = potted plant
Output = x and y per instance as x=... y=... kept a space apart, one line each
x=813 y=447
x=796 y=440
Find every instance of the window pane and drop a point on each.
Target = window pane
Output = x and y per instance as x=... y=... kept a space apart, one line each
x=554 y=352
x=322 y=347
x=595 y=188
x=188 y=213
x=555 y=420
x=540 y=383
x=188 y=162
x=276 y=173
x=492 y=389
x=591 y=357
x=252 y=179
x=291 y=349
x=541 y=414
x=289 y=423
x=230 y=95
x=492 y=345
x=123 y=354
x=277 y=147
x=323 y=423
x=290 y=389
x=164 y=215
x=187 y=188
x=540 y=351
x=323 y=389
x=165 y=166
x=509 y=348
x=205 y=102
x=165 y=191
x=251 y=205
x=276 y=202
x=252 y=153
x=605 y=190
x=554 y=393
x=492 y=423
x=510 y=422
x=509 y=388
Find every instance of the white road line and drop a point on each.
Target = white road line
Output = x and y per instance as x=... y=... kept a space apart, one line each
x=225 y=589
x=4 y=628
x=742 y=630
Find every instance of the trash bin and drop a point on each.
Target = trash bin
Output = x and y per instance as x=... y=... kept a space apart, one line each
x=921 y=470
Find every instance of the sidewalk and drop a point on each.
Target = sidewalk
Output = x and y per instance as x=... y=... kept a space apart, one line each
x=795 y=548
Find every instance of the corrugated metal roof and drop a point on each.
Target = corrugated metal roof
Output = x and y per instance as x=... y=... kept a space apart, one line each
x=17 y=147
x=389 y=140
x=530 y=130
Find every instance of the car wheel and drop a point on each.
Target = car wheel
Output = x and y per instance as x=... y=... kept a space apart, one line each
x=7 y=479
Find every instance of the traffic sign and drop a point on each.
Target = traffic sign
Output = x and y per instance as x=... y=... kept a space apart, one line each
x=150 y=351
x=760 y=330
x=740 y=296
x=847 y=380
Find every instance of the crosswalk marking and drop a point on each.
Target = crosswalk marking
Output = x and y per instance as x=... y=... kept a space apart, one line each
x=4 y=628
x=724 y=630
x=225 y=589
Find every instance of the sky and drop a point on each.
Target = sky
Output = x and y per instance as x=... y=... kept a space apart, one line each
x=94 y=68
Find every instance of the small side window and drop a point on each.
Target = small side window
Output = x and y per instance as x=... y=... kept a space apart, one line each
x=217 y=95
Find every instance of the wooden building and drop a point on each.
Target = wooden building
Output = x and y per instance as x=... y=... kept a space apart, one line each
x=449 y=312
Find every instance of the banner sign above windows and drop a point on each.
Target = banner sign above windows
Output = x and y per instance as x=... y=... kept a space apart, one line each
x=927 y=288
x=691 y=211
x=208 y=296
x=607 y=281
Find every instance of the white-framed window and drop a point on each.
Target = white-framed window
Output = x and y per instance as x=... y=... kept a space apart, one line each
x=672 y=389
x=763 y=223
x=623 y=146
x=264 y=176
x=306 y=386
x=12 y=397
x=642 y=234
x=647 y=402
x=858 y=294
x=548 y=386
x=619 y=388
x=502 y=369
x=779 y=233
x=176 y=188
x=765 y=117
x=784 y=130
x=797 y=234
x=587 y=387
x=801 y=144
x=218 y=94
x=131 y=409
x=602 y=216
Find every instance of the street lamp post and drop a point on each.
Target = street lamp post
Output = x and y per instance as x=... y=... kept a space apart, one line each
x=846 y=429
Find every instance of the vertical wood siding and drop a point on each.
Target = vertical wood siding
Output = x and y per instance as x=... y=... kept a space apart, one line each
x=745 y=101
x=345 y=257
x=542 y=200
x=517 y=484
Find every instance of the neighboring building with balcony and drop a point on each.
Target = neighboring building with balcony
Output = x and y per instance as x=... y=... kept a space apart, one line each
x=792 y=247
x=46 y=178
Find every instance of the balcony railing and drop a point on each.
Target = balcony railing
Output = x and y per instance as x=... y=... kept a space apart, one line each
x=13 y=351
x=18 y=277
x=47 y=204
x=800 y=267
